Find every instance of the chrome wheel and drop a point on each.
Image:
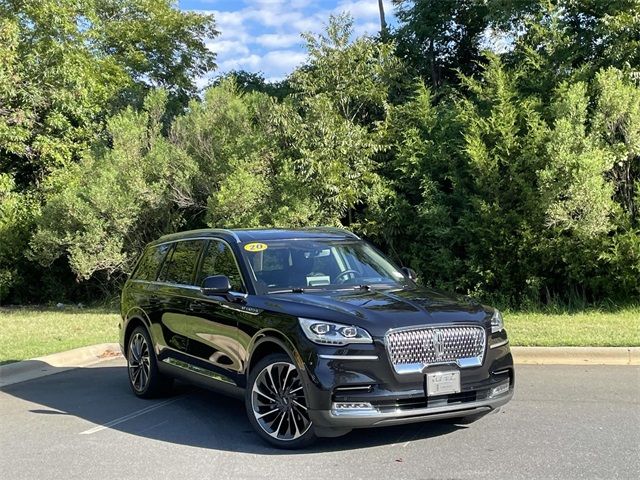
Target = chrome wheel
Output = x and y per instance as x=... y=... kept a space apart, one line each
x=278 y=403
x=139 y=360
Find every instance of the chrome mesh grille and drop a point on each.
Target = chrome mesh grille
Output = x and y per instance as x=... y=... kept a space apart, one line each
x=433 y=345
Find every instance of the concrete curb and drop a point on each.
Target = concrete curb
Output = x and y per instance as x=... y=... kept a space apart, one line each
x=57 y=362
x=576 y=355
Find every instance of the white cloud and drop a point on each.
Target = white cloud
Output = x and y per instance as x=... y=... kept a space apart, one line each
x=227 y=47
x=250 y=62
x=202 y=82
x=314 y=23
x=278 y=40
x=283 y=60
x=228 y=19
x=363 y=9
x=275 y=17
x=368 y=28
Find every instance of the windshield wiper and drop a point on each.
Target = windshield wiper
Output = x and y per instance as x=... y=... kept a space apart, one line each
x=294 y=290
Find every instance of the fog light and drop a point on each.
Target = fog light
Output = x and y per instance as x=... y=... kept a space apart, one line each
x=352 y=408
x=499 y=390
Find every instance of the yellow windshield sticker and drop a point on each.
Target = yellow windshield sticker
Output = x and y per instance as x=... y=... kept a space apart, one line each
x=255 y=247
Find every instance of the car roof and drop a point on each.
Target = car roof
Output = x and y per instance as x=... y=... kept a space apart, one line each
x=242 y=235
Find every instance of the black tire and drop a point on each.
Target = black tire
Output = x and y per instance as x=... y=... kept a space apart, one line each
x=276 y=403
x=145 y=379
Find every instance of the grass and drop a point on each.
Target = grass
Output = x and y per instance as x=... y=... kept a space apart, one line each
x=32 y=332
x=592 y=328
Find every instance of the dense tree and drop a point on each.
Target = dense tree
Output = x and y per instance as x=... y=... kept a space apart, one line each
x=512 y=174
x=343 y=93
x=101 y=209
x=16 y=216
x=66 y=64
x=234 y=159
x=439 y=39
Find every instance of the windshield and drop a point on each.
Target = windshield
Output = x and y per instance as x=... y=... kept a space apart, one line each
x=313 y=264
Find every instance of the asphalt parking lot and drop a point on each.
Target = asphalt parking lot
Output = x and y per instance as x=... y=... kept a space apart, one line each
x=564 y=422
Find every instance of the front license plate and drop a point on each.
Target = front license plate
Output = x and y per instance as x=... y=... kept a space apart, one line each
x=443 y=383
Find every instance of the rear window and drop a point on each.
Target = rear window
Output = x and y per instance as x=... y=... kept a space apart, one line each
x=150 y=263
x=180 y=266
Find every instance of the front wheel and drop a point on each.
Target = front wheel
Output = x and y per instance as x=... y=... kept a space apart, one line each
x=276 y=403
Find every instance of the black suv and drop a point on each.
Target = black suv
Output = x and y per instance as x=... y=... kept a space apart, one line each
x=314 y=328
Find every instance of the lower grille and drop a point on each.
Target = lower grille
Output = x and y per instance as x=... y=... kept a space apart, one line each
x=410 y=350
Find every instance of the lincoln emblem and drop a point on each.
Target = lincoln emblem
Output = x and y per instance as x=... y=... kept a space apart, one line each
x=438 y=344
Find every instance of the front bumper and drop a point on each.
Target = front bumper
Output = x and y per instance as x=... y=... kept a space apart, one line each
x=376 y=417
x=362 y=382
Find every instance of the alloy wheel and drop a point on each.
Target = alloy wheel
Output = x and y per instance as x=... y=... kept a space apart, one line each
x=278 y=402
x=139 y=359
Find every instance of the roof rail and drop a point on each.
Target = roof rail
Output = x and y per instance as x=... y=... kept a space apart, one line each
x=170 y=236
x=341 y=231
x=229 y=232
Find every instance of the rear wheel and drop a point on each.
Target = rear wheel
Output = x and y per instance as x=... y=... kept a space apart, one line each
x=144 y=378
x=276 y=403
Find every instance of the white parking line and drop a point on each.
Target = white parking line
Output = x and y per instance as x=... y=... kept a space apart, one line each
x=129 y=417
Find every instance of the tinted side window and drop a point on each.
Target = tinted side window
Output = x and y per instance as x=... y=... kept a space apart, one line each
x=219 y=260
x=150 y=263
x=180 y=266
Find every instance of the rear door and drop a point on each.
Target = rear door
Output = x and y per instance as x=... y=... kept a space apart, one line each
x=211 y=323
x=176 y=284
x=142 y=291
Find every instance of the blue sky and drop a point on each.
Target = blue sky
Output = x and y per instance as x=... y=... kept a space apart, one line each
x=264 y=35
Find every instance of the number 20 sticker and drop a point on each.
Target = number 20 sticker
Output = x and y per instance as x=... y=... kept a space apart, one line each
x=255 y=247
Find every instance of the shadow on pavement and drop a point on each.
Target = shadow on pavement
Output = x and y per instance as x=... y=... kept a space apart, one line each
x=189 y=416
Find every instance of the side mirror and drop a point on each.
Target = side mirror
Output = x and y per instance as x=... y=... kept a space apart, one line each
x=410 y=273
x=215 y=285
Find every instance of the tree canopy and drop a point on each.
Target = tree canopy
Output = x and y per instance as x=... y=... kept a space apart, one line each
x=66 y=65
x=493 y=146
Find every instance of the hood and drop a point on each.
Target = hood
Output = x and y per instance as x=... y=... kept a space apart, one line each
x=380 y=310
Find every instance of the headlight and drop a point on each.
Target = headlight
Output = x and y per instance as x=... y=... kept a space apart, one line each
x=497 y=324
x=329 y=333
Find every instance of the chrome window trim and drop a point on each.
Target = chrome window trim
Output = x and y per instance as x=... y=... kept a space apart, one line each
x=213 y=231
x=235 y=260
x=190 y=286
x=204 y=298
x=420 y=367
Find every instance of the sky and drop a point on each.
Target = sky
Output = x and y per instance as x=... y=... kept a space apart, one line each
x=264 y=35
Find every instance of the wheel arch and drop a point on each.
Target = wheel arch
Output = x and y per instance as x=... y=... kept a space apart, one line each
x=135 y=317
x=267 y=342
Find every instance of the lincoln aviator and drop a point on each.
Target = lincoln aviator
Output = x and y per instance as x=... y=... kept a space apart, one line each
x=315 y=330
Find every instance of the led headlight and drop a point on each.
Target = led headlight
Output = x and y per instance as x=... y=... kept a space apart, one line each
x=329 y=333
x=497 y=324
